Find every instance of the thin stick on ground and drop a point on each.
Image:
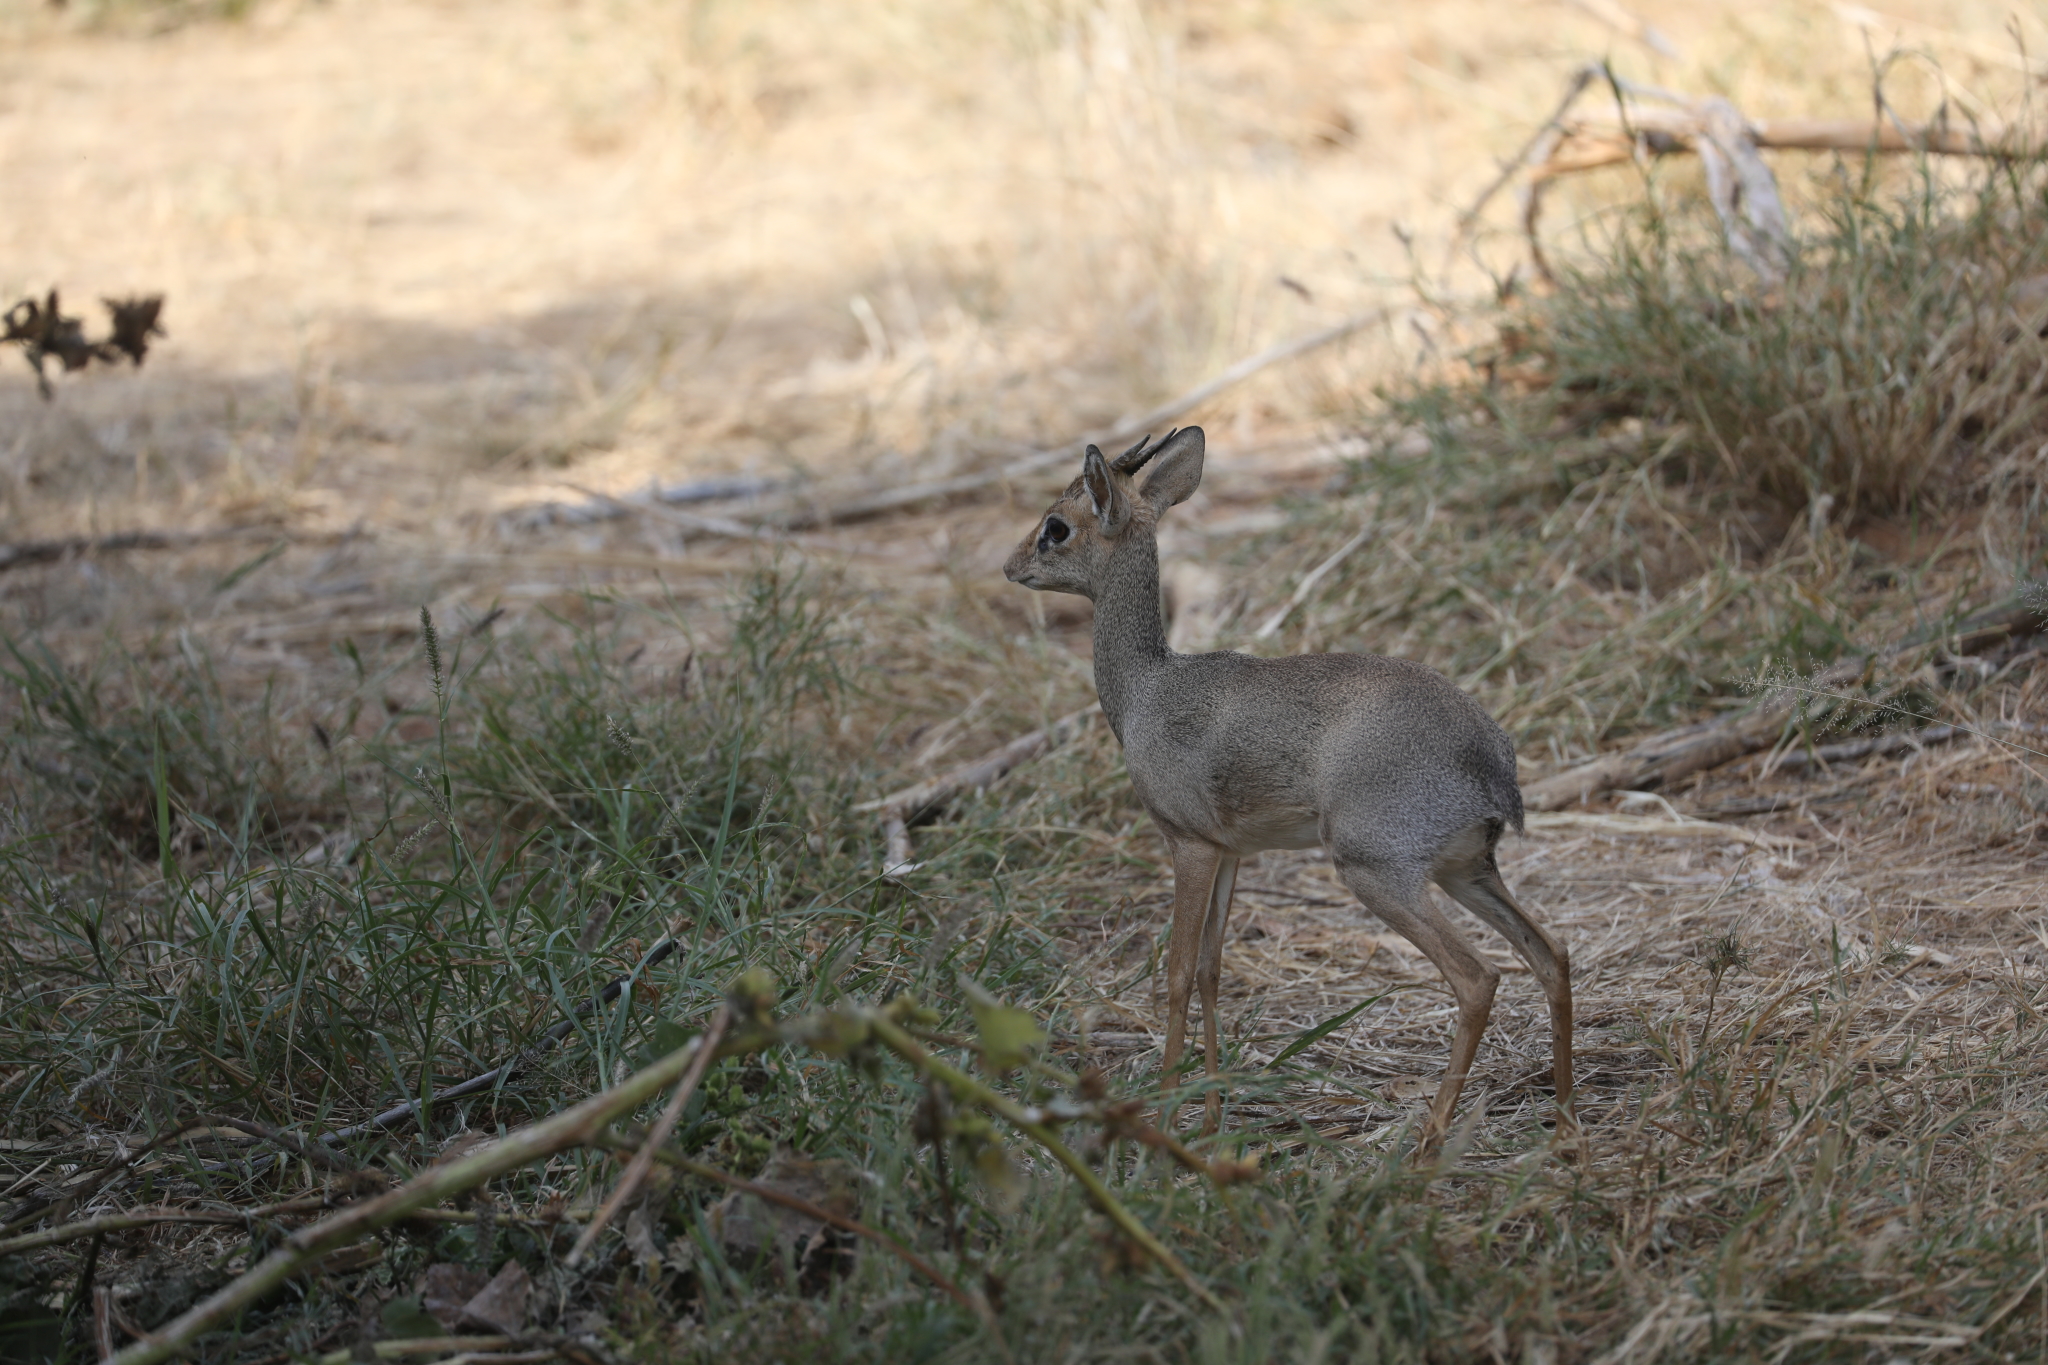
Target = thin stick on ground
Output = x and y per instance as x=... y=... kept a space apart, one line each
x=578 y=1126
x=643 y=1160
x=695 y=522
x=1663 y=759
x=491 y=1079
x=1308 y=583
x=899 y=808
x=72 y=547
x=398 y=1348
x=113 y=1222
x=1038 y=461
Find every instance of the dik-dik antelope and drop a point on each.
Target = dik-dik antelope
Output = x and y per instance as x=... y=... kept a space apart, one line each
x=1401 y=776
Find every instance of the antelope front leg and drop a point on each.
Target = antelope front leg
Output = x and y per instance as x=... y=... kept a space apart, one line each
x=1209 y=977
x=1194 y=875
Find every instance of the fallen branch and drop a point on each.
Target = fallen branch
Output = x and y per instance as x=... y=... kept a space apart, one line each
x=580 y=1125
x=900 y=809
x=1657 y=827
x=1590 y=146
x=113 y=1222
x=1036 y=461
x=1851 y=750
x=143 y=1218
x=643 y=1160
x=400 y=1347
x=491 y=1079
x=604 y=507
x=1743 y=190
x=1656 y=123
x=73 y=547
x=688 y=521
x=1663 y=759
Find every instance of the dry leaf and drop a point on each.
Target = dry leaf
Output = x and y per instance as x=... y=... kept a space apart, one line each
x=445 y=1288
x=501 y=1305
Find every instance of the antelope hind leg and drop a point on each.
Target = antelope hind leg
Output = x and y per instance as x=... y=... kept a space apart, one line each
x=1402 y=902
x=1478 y=887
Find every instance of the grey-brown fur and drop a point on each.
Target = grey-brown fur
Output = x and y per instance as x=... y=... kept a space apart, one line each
x=1404 y=778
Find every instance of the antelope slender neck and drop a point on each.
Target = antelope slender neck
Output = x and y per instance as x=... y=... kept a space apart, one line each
x=1130 y=636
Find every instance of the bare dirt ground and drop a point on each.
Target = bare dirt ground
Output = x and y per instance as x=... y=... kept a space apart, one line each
x=431 y=268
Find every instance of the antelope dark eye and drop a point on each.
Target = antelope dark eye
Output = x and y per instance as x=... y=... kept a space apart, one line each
x=1055 y=532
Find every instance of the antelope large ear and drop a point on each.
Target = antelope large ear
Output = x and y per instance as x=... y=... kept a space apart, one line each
x=1105 y=495
x=1176 y=470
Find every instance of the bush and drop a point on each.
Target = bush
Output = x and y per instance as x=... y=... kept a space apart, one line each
x=1900 y=365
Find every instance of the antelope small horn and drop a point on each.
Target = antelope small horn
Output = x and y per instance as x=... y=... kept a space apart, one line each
x=1133 y=460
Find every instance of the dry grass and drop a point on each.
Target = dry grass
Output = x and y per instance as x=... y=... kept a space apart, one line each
x=428 y=266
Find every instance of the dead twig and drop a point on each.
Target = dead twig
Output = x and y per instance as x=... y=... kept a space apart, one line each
x=1851 y=750
x=580 y=1125
x=72 y=547
x=1740 y=185
x=491 y=1079
x=901 y=808
x=1663 y=759
x=643 y=1160
x=1037 y=461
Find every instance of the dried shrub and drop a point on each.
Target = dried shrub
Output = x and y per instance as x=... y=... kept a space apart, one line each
x=1900 y=364
x=44 y=332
